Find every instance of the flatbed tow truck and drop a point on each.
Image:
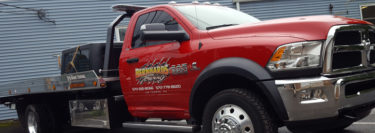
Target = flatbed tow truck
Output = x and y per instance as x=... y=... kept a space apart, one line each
x=213 y=68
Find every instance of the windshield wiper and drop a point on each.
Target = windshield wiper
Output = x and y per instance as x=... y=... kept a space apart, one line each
x=218 y=26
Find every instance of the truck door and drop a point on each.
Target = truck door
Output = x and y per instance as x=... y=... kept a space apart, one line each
x=156 y=80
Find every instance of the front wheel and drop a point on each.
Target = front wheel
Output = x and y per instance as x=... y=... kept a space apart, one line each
x=237 y=111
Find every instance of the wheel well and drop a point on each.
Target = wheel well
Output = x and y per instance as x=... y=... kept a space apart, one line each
x=215 y=84
x=56 y=104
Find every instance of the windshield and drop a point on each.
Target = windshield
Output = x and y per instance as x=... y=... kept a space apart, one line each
x=207 y=17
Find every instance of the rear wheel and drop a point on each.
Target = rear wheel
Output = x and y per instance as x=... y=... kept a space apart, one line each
x=32 y=122
x=38 y=120
x=237 y=111
x=21 y=114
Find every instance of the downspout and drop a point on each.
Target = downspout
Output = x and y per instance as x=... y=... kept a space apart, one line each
x=238 y=6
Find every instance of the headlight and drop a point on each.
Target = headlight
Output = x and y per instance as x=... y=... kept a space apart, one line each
x=296 y=55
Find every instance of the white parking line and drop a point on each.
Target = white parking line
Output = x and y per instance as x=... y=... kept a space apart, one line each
x=364 y=123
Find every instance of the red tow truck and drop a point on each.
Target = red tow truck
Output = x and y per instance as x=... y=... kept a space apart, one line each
x=221 y=70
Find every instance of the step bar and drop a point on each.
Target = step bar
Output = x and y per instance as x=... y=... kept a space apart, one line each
x=165 y=126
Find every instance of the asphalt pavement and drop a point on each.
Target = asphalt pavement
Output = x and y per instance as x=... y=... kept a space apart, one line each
x=366 y=125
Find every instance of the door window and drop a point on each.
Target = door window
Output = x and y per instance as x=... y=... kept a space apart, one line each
x=153 y=17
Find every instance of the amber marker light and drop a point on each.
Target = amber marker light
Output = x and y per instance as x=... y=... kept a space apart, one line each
x=95 y=83
x=102 y=85
x=54 y=87
x=77 y=85
x=278 y=54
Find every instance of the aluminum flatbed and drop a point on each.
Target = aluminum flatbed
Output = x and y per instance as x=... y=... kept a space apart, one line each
x=88 y=80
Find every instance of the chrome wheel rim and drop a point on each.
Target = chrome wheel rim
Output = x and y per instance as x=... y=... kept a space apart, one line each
x=32 y=124
x=231 y=118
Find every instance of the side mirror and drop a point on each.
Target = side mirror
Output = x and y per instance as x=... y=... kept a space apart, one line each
x=157 y=32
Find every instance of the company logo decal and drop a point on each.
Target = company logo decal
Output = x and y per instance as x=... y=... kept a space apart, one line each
x=152 y=72
x=158 y=71
x=75 y=77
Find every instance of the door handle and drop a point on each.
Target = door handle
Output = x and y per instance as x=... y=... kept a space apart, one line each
x=132 y=60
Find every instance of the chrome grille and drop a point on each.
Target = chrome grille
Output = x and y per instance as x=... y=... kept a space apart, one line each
x=349 y=48
x=348 y=38
x=346 y=59
x=347 y=51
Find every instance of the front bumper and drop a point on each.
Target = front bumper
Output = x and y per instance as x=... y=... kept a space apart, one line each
x=324 y=97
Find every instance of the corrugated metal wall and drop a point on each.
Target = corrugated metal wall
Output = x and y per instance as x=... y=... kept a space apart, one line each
x=289 y=8
x=6 y=114
x=27 y=44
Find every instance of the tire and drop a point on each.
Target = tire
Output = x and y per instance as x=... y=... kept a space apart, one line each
x=21 y=114
x=237 y=110
x=38 y=119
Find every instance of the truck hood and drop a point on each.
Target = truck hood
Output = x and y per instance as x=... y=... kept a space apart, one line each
x=307 y=27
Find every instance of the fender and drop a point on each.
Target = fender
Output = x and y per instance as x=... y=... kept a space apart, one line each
x=247 y=69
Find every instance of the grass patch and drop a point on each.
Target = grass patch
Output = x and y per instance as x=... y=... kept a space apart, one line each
x=8 y=123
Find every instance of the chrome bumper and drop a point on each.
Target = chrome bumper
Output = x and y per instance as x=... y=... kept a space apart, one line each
x=323 y=97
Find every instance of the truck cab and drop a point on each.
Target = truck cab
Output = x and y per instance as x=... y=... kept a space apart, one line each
x=215 y=68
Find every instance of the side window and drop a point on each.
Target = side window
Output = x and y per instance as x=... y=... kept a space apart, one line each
x=170 y=23
x=136 y=41
x=120 y=33
x=153 y=17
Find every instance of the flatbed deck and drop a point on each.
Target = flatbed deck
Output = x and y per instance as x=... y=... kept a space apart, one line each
x=64 y=83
